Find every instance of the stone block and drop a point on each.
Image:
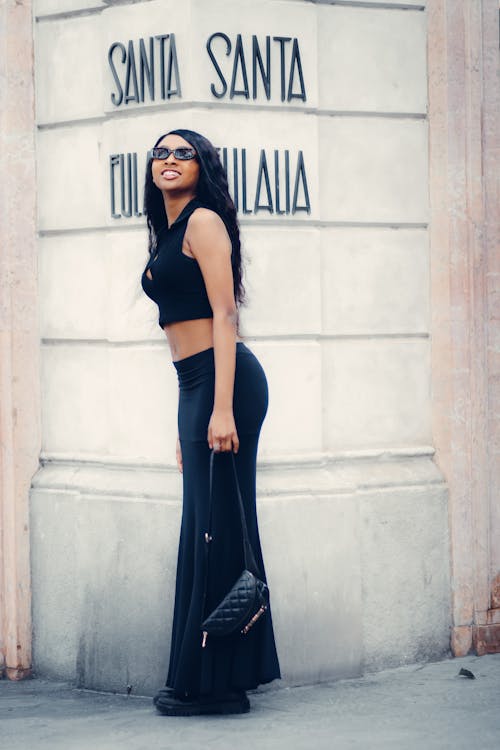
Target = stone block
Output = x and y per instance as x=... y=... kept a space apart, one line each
x=318 y=633
x=282 y=279
x=74 y=282
x=293 y=371
x=143 y=400
x=68 y=68
x=374 y=281
x=376 y=393
x=132 y=316
x=461 y=640
x=372 y=59
x=72 y=192
x=486 y=639
x=405 y=573
x=56 y=600
x=91 y=287
x=113 y=628
x=373 y=171
x=75 y=398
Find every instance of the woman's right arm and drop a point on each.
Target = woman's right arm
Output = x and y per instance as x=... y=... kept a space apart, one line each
x=178 y=454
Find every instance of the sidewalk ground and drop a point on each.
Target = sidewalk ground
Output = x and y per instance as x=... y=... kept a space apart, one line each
x=424 y=706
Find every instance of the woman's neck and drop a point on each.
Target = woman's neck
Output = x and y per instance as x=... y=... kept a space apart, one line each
x=174 y=205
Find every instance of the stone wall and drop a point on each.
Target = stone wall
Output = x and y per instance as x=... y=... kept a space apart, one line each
x=19 y=334
x=351 y=503
x=464 y=107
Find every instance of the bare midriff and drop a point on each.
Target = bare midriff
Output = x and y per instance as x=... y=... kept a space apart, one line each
x=188 y=337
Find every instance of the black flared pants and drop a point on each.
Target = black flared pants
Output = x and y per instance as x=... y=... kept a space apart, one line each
x=239 y=661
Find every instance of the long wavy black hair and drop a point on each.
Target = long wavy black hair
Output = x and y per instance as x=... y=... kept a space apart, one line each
x=212 y=190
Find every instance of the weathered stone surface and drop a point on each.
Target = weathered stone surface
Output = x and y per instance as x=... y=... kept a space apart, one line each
x=75 y=399
x=405 y=575
x=71 y=180
x=74 y=282
x=19 y=339
x=50 y=7
x=292 y=257
x=348 y=371
x=373 y=170
x=69 y=68
x=294 y=413
x=388 y=408
x=376 y=59
x=360 y=606
x=112 y=628
x=374 y=281
x=464 y=101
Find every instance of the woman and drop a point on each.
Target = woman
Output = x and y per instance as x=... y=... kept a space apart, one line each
x=194 y=276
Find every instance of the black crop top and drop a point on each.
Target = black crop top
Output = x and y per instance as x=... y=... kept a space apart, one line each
x=178 y=287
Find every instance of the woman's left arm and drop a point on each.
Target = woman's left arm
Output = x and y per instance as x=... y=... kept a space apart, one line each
x=209 y=242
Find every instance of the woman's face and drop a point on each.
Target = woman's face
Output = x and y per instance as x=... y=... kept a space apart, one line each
x=173 y=175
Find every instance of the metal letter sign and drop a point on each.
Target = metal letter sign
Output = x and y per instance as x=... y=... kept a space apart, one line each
x=147 y=70
x=270 y=191
x=156 y=63
x=292 y=84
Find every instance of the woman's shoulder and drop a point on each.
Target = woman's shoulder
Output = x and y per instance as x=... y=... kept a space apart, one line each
x=207 y=227
x=205 y=217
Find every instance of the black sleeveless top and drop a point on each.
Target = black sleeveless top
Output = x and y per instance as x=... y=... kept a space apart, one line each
x=178 y=287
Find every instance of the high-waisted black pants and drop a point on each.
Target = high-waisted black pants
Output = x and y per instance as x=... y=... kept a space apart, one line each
x=238 y=661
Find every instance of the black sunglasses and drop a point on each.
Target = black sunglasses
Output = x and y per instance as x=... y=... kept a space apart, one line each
x=162 y=152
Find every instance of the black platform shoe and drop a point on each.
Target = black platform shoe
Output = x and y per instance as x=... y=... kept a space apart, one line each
x=163 y=693
x=234 y=702
x=169 y=704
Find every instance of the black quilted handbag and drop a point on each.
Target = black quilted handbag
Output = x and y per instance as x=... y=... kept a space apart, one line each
x=248 y=598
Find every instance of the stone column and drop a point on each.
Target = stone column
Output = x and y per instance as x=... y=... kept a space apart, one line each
x=19 y=334
x=465 y=282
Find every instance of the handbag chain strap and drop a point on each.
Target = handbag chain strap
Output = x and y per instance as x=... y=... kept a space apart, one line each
x=249 y=556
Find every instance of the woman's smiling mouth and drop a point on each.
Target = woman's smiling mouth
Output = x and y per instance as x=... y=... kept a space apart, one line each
x=170 y=174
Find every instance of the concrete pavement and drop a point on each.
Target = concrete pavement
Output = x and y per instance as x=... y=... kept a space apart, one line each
x=425 y=706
